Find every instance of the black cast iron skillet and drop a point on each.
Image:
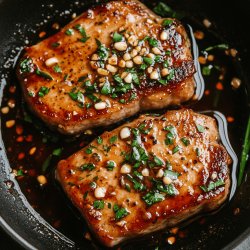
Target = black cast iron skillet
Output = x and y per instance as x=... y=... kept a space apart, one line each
x=19 y=220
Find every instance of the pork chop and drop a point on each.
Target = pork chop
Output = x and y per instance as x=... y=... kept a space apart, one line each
x=147 y=175
x=109 y=63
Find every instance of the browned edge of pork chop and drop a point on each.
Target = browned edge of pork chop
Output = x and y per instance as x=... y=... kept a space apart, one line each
x=147 y=175
x=111 y=62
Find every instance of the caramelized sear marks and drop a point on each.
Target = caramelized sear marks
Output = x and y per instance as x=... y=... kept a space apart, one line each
x=146 y=175
x=109 y=63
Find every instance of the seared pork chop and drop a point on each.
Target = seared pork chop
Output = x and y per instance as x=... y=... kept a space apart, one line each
x=146 y=175
x=109 y=63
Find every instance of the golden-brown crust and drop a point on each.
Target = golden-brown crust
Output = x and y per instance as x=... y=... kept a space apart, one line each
x=58 y=110
x=196 y=170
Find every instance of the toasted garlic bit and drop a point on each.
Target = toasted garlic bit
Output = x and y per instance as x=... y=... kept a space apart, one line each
x=207 y=23
x=11 y=103
x=100 y=105
x=138 y=48
x=171 y=240
x=166 y=180
x=121 y=223
x=51 y=61
x=121 y=46
x=233 y=52
x=160 y=173
x=145 y=172
x=163 y=36
x=32 y=151
x=111 y=68
x=128 y=78
x=151 y=55
x=102 y=72
x=10 y=123
x=95 y=57
x=93 y=65
x=134 y=53
x=156 y=51
x=164 y=72
x=154 y=75
x=113 y=60
x=236 y=82
x=122 y=64
x=143 y=51
x=42 y=180
x=129 y=64
x=124 y=74
x=125 y=133
x=138 y=60
x=133 y=40
x=5 y=110
x=126 y=56
x=126 y=169
x=214 y=176
x=100 y=192
x=150 y=69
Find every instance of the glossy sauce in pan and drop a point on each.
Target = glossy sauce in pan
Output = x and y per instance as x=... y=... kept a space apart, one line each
x=29 y=146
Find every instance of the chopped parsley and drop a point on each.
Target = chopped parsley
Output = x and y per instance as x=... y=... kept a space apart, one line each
x=57 y=152
x=106 y=89
x=110 y=165
x=77 y=96
x=212 y=185
x=167 y=22
x=158 y=161
x=87 y=166
x=43 y=91
x=120 y=212
x=171 y=174
x=206 y=70
x=117 y=37
x=98 y=204
x=176 y=149
x=20 y=172
x=89 y=150
x=57 y=69
x=152 y=198
x=185 y=141
x=79 y=28
x=200 y=128
x=69 y=32
x=26 y=65
x=153 y=42
x=99 y=140
x=113 y=139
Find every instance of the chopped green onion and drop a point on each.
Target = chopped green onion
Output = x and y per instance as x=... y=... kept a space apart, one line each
x=244 y=154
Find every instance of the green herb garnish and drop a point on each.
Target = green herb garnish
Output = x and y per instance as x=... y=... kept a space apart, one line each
x=120 y=212
x=117 y=37
x=87 y=166
x=99 y=140
x=43 y=91
x=57 y=69
x=244 y=154
x=113 y=139
x=44 y=74
x=69 y=32
x=152 y=198
x=206 y=70
x=26 y=65
x=200 y=128
x=167 y=22
x=176 y=149
x=222 y=46
x=185 y=141
x=57 y=152
x=212 y=185
x=158 y=161
x=110 y=165
x=98 y=204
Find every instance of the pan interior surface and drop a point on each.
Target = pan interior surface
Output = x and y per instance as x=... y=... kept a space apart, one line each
x=25 y=218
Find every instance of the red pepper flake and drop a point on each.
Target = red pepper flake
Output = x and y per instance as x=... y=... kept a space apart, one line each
x=19 y=139
x=207 y=92
x=236 y=211
x=219 y=86
x=19 y=129
x=174 y=230
x=32 y=172
x=29 y=138
x=21 y=156
x=81 y=144
x=182 y=234
x=42 y=34
x=230 y=119
x=12 y=89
